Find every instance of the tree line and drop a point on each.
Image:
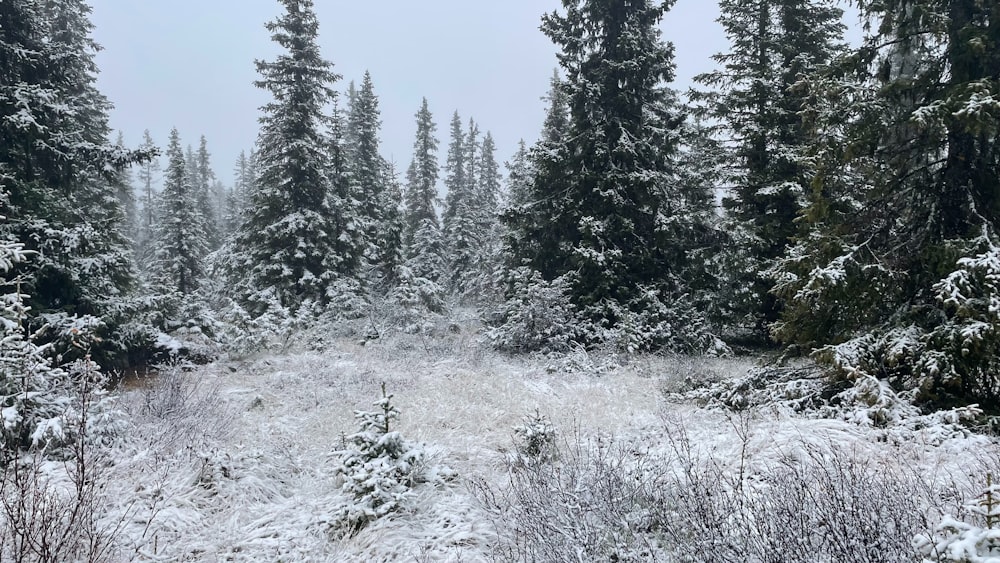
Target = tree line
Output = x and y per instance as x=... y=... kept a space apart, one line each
x=807 y=195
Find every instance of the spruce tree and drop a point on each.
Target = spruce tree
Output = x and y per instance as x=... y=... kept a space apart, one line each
x=297 y=241
x=180 y=242
x=421 y=179
x=606 y=191
x=239 y=195
x=471 y=151
x=774 y=44
x=379 y=209
x=206 y=190
x=59 y=167
x=896 y=275
x=148 y=176
x=455 y=166
x=519 y=176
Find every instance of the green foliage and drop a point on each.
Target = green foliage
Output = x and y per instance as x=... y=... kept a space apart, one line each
x=378 y=466
x=892 y=279
x=300 y=236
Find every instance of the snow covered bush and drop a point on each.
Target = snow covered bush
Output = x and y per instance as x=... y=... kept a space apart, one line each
x=593 y=500
x=957 y=541
x=378 y=467
x=537 y=316
x=648 y=323
x=536 y=438
x=40 y=401
x=414 y=300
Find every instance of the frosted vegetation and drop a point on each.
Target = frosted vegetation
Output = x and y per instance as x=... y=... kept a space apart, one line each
x=586 y=360
x=583 y=457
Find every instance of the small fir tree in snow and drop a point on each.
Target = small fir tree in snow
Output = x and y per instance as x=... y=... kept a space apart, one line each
x=959 y=541
x=379 y=468
x=40 y=402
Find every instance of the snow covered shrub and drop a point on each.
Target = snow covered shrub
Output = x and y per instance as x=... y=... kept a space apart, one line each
x=597 y=501
x=536 y=438
x=945 y=352
x=241 y=334
x=957 y=541
x=414 y=300
x=537 y=316
x=816 y=502
x=40 y=402
x=378 y=466
x=649 y=323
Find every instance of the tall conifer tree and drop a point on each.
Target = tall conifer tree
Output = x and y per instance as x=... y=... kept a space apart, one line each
x=180 y=242
x=298 y=237
x=608 y=189
x=774 y=44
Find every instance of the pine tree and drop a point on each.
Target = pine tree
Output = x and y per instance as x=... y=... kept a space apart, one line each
x=297 y=242
x=774 y=44
x=180 y=240
x=607 y=190
x=896 y=275
x=421 y=180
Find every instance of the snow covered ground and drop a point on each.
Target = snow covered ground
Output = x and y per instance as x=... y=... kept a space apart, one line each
x=235 y=461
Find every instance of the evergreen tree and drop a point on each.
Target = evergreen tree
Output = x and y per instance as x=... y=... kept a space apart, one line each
x=390 y=232
x=896 y=276
x=522 y=216
x=298 y=240
x=180 y=240
x=244 y=178
x=125 y=193
x=471 y=157
x=488 y=192
x=774 y=44
x=607 y=192
x=379 y=209
x=148 y=176
x=421 y=180
x=519 y=176
x=206 y=191
x=557 y=115
x=455 y=181
x=59 y=167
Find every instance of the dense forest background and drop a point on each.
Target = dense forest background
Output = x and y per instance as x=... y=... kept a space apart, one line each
x=857 y=224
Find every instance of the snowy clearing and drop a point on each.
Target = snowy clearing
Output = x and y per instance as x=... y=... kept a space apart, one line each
x=235 y=461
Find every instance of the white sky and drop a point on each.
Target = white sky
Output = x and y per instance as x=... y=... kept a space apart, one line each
x=189 y=64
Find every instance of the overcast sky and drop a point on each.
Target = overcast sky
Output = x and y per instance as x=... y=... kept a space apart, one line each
x=189 y=64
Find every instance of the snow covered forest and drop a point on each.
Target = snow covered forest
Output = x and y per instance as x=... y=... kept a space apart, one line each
x=755 y=321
